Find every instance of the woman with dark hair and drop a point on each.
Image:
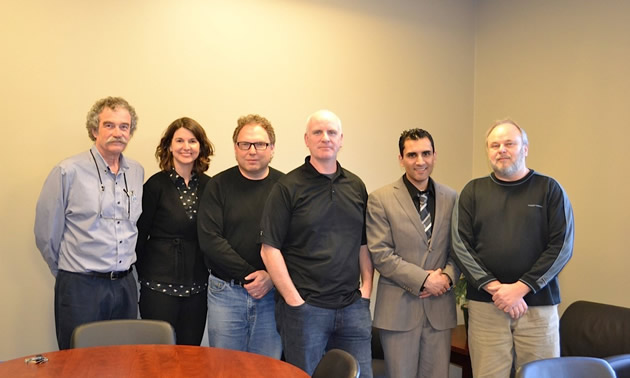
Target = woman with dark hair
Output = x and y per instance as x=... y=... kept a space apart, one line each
x=172 y=274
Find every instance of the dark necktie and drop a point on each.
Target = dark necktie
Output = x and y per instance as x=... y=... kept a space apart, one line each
x=425 y=216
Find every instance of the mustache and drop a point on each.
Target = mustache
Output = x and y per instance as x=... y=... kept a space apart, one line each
x=117 y=140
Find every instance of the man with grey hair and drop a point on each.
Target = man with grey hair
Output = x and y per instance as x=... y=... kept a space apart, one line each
x=512 y=235
x=85 y=223
x=314 y=247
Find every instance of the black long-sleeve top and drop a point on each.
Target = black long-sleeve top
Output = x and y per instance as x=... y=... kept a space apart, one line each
x=167 y=245
x=513 y=231
x=229 y=222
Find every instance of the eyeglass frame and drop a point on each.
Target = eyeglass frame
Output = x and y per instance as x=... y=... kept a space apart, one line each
x=258 y=146
x=102 y=199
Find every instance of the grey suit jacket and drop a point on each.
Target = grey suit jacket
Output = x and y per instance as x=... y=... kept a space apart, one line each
x=402 y=255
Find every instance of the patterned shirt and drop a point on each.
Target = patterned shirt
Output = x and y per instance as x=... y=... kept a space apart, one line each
x=190 y=200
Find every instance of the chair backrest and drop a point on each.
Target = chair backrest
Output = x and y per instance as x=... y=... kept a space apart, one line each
x=122 y=332
x=594 y=330
x=337 y=363
x=620 y=364
x=569 y=367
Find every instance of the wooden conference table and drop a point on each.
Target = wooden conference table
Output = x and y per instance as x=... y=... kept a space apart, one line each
x=170 y=361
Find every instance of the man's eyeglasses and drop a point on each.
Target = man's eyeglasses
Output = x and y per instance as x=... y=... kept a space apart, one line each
x=102 y=194
x=258 y=146
x=102 y=199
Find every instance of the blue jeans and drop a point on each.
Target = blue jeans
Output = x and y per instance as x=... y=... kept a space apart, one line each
x=239 y=322
x=308 y=332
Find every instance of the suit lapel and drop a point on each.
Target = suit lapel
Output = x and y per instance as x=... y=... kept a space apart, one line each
x=440 y=207
x=406 y=203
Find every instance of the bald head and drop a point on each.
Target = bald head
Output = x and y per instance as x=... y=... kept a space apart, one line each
x=504 y=122
x=324 y=138
x=323 y=116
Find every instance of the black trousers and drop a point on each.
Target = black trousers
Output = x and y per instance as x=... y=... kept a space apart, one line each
x=80 y=298
x=187 y=315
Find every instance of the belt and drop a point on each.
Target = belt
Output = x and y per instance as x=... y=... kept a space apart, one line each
x=232 y=282
x=109 y=275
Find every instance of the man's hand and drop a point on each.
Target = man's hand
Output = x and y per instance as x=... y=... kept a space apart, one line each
x=295 y=302
x=436 y=284
x=507 y=296
x=260 y=285
x=519 y=309
x=492 y=287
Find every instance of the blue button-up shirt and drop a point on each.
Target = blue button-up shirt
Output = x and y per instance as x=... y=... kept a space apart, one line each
x=83 y=225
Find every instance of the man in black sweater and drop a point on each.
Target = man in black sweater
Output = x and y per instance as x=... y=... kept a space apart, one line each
x=512 y=235
x=240 y=291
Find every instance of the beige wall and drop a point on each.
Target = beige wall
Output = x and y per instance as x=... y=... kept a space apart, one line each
x=381 y=66
x=560 y=69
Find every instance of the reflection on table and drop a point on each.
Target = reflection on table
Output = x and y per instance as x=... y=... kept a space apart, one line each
x=151 y=361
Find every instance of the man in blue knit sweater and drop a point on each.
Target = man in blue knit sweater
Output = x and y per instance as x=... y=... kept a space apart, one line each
x=512 y=235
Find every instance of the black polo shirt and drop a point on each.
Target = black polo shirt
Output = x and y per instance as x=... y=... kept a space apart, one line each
x=318 y=223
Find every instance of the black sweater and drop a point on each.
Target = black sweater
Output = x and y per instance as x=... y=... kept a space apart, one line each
x=167 y=246
x=513 y=231
x=229 y=222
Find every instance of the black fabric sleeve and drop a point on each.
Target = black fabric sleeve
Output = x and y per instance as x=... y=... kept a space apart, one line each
x=151 y=194
x=216 y=249
x=463 y=239
x=364 y=195
x=560 y=245
x=276 y=217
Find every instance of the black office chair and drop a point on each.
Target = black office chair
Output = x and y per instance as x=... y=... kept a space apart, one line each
x=337 y=363
x=122 y=332
x=566 y=367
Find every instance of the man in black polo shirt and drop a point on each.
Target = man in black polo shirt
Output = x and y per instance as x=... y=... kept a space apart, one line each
x=314 y=248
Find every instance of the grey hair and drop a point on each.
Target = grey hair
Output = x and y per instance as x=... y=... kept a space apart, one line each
x=324 y=115
x=109 y=102
x=509 y=122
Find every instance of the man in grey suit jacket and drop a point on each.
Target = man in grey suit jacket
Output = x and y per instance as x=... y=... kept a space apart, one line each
x=408 y=234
